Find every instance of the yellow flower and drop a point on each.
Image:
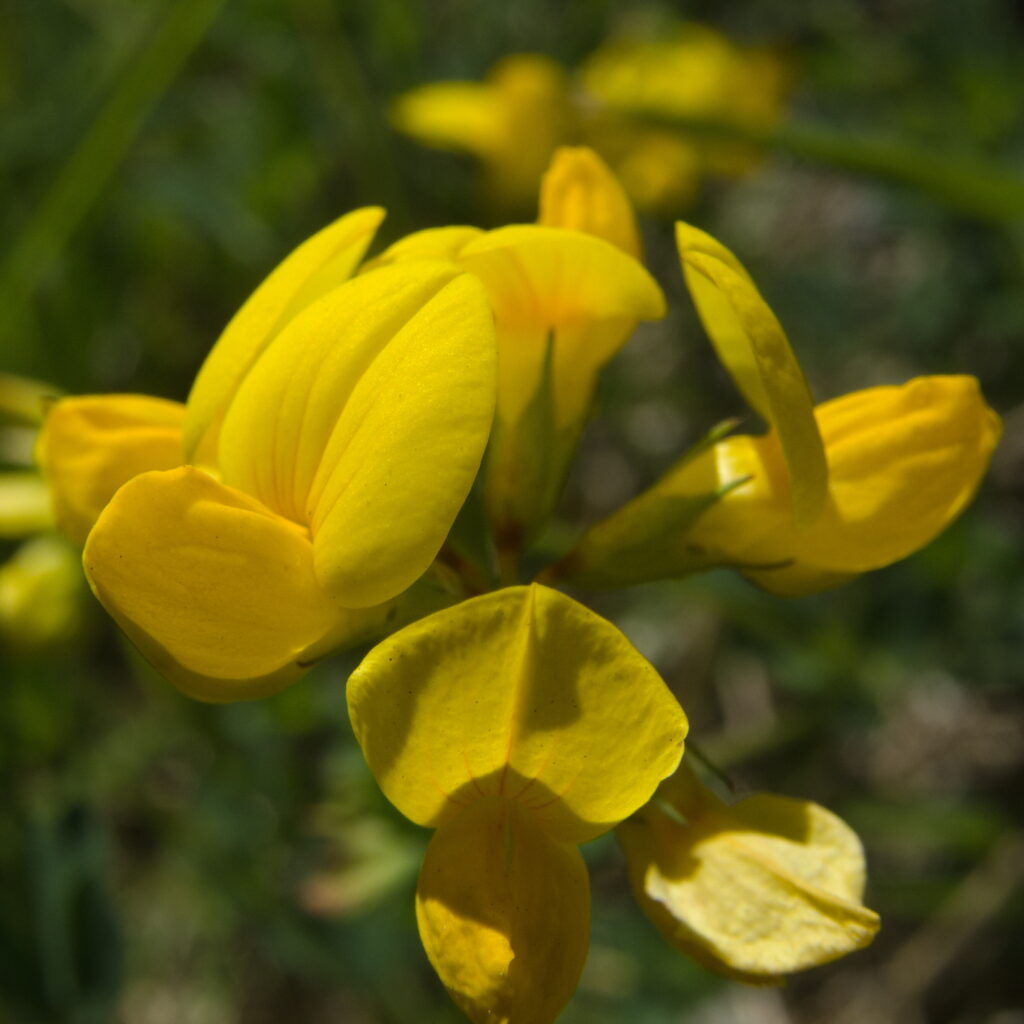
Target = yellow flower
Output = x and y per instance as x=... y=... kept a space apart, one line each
x=518 y=724
x=41 y=583
x=90 y=445
x=566 y=295
x=768 y=886
x=512 y=121
x=343 y=456
x=830 y=491
x=695 y=73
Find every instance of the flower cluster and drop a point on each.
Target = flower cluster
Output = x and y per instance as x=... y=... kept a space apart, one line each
x=304 y=497
x=620 y=103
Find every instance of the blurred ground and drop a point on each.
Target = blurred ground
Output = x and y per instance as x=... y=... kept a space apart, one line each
x=165 y=861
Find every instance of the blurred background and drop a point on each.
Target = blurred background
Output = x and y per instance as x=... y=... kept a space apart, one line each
x=166 y=862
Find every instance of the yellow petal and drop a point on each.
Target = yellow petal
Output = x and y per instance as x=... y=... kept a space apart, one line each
x=41 y=590
x=23 y=400
x=443 y=244
x=579 y=191
x=24 y=504
x=319 y=264
x=522 y=694
x=216 y=591
x=89 y=446
x=753 y=347
x=769 y=886
x=504 y=915
x=903 y=464
x=464 y=116
x=383 y=395
x=579 y=289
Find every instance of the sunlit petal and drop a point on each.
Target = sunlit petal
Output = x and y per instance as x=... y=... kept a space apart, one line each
x=753 y=347
x=216 y=591
x=768 y=886
x=522 y=694
x=504 y=915
x=90 y=445
x=319 y=264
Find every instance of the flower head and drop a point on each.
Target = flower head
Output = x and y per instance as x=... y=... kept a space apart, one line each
x=517 y=725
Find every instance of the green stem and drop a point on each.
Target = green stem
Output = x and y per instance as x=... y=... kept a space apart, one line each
x=149 y=72
x=967 y=184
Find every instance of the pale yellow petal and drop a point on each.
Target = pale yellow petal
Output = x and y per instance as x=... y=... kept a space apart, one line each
x=577 y=289
x=24 y=504
x=41 y=592
x=504 y=915
x=23 y=400
x=580 y=192
x=216 y=591
x=753 y=347
x=769 y=886
x=89 y=446
x=463 y=116
x=522 y=694
x=319 y=264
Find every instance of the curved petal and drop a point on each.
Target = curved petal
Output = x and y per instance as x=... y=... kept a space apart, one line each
x=216 y=591
x=90 y=445
x=504 y=915
x=753 y=347
x=464 y=116
x=579 y=192
x=522 y=694
x=319 y=264
x=576 y=289
x=383 y=395
x=769 y=886
x=24 y=504
x=443 y=244
x=41 y=592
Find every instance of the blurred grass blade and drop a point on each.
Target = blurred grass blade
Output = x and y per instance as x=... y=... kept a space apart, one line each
x=147 y=75
x=968 y=185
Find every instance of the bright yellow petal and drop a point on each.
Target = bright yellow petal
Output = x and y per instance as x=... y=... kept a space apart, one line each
x=442 y=244
x=753 y=347
x=216 y=591
x=319 y=264
x=24 y=504
x=463 y=116
x=769 y=886
x=522 y=694
x=504 y=915
x=89 y=446
x=579 y=289
x=580 y=192
x=383 y=395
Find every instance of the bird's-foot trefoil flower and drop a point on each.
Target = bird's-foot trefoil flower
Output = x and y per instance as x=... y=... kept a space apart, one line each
x=566 y=294
x=342 y=458
x=518 y=725
x=831 y=491
x=511 y=122
x=756 y=890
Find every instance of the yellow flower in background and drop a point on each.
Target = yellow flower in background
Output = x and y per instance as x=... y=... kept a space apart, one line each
x=512 y=122
x=526 y=107
x=343 y=456
x=566 y=294
x=41 y=582
x=518 y=725
x=693 y=72
x=831 y=491
x=758 y=890
x=90 y=445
